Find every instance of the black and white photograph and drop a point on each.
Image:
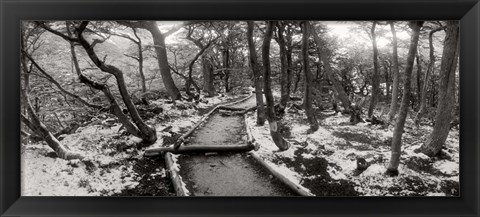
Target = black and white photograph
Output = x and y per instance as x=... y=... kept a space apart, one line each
x=279 y=108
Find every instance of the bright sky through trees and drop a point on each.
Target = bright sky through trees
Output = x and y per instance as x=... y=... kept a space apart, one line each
x=338 y=29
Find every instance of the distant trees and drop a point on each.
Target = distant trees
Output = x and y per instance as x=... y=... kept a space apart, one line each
x=161 y=51
x=430 y=70
x=139 y=58
x=392 y=168
x=284 y=40
x=229 y=50
x=203 y=41
x=326 y=59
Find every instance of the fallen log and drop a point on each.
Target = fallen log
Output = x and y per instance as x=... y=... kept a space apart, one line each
x=294 y=186
x=199 y=148
x=177 y=181
x=231 y=108
x=250 y=139
x=240 y=110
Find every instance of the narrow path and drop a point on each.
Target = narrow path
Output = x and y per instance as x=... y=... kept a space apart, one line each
x=227 y=174
x=249 y=103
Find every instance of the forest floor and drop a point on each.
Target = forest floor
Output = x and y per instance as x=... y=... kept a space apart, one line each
x=325 y=162
x=114 y=163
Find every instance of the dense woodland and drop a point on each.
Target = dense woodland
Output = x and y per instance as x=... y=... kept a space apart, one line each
x=135 y=79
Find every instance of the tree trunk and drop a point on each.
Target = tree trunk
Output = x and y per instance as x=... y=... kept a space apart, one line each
x=226 y=66
x=308 y=79
x=375 y=77
x=299 y=77
x=285 y=77
x=395 y=75
x=161 y=51
x=433 y=96
x=140 y=69
x=142 y=77
x=26 y=71
x=148 y=134
x=190 y=80
x=271 y=117
x=402 y=116
x=40 y=129
x=208 y=77
x=387 y=78
x=140 y=65
x=419 y=80
x=289 y=49
x=257 y=77
x=446 y=95
x=427 y=79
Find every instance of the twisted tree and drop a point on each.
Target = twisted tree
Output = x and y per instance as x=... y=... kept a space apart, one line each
x=138 y=127
x=446 y=96
x=270 y=110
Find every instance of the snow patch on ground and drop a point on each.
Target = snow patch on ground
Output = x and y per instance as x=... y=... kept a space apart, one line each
x=447 y=167
x=46 y=176
x=109 y=168
x=341 y=144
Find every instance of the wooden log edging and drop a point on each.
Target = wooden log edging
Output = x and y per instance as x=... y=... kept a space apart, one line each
x=177 y=181
x=200 y=148
x=250 y=139
x=240 y=110
x=297 y=188
x=291 y=184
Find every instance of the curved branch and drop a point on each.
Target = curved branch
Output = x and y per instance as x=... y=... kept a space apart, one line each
x=55 y=32
x=52 y=80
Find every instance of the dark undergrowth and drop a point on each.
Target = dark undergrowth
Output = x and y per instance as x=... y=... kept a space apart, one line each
x=316 y=177
x=150 y=185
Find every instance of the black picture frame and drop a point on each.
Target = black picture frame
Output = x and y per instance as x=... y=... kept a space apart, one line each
x=13 y=11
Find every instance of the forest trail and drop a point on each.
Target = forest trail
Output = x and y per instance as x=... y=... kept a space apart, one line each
x=227 y=174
